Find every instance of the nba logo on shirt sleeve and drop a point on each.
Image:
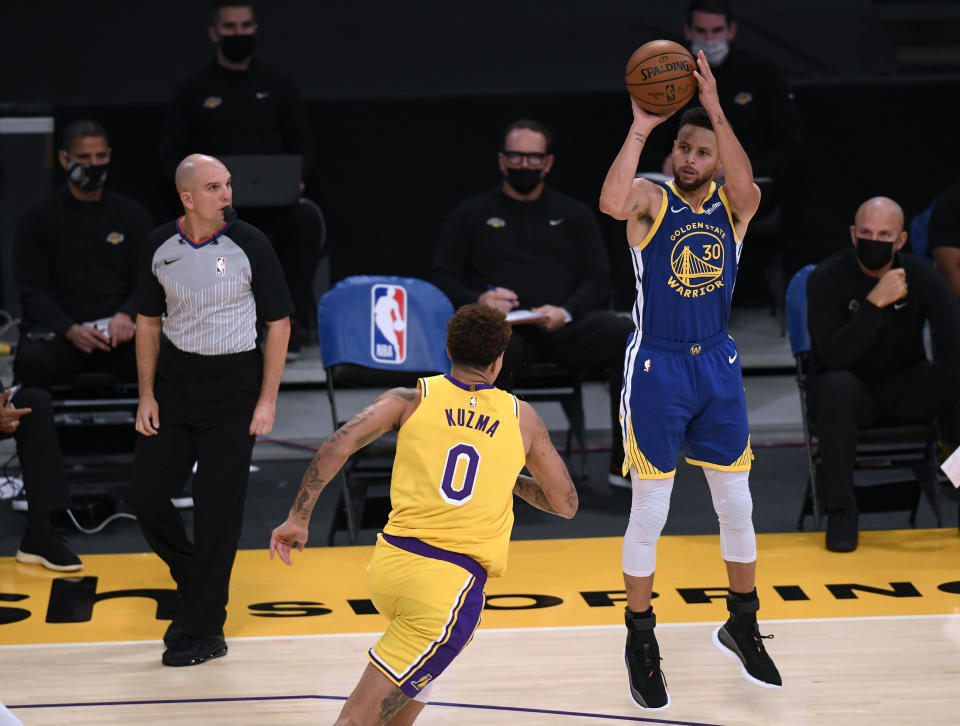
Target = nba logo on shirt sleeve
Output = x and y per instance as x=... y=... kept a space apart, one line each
x=221 y=266
x=389 y=324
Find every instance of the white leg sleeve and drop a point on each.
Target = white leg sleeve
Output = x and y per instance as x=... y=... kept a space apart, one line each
x=734 y=507
x=648 y=514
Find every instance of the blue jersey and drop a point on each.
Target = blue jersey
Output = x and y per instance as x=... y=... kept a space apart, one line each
x=685 y=269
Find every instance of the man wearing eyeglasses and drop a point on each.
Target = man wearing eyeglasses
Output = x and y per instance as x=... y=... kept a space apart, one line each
x=525 y=246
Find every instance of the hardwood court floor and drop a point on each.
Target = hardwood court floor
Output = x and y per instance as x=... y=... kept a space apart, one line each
x=873 y=671
x=872 y=637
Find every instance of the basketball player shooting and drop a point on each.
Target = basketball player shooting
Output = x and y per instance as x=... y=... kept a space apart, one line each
x=461 y=444
x=682 y=380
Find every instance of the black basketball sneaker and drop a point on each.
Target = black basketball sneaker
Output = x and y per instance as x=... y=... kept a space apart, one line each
x=739 y=638
x=648 y=687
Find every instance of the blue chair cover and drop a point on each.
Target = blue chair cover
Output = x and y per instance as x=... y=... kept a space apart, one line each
x=796 y=304
x=384 y=322
x=918 y=233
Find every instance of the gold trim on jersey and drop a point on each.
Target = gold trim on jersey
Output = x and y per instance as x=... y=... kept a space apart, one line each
x=656 y=223
x=634 y=458
x=742 y=463
x=713 y=188
x=726 y=205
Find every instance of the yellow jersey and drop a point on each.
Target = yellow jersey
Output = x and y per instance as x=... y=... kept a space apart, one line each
x=457 y=461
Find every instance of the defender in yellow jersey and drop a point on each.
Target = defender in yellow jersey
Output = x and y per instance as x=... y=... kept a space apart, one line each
x=461 y=445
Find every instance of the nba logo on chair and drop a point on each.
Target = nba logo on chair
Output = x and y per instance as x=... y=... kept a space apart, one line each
x=388 y=325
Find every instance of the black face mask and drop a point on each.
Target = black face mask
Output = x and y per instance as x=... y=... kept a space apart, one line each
x=874 y=254
x=523 y=180
x=237 y=48
x=87 y=176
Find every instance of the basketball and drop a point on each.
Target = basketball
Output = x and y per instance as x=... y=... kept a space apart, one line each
x=660 y=76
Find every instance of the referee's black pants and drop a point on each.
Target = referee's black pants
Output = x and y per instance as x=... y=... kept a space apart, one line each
x=841 y=403
x=205 y=407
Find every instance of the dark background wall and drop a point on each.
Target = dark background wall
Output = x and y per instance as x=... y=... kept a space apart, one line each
x=407 y=101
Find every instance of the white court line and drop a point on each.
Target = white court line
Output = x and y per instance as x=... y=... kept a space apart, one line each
x=566 y=628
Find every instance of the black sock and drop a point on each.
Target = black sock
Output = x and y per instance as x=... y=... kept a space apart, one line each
x=745 y=596
x=645 y=614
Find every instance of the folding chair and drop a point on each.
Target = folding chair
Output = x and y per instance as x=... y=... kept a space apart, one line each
x=378 y=331
x=911 y=446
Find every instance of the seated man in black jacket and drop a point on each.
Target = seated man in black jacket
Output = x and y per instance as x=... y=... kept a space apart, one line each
x=526 y=246
x=75 y=257
x=866 y=308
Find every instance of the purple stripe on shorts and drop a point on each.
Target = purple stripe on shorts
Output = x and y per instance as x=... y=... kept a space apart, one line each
x=418 y=547
x=464 y=618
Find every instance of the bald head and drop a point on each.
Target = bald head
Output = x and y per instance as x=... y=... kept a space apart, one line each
x=878 y=220
x=195 y=167
x=880 y=213
x=204 y=187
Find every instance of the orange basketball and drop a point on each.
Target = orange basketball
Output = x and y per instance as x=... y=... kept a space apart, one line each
x=660 y=76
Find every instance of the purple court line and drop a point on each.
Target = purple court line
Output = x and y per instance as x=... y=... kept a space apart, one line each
x=516 y=709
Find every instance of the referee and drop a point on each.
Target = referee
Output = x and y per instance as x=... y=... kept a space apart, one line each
x=200 y=367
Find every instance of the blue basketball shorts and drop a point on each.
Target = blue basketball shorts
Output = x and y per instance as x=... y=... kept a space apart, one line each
x=683 y=394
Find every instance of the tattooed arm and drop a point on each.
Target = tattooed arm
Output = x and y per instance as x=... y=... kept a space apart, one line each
x=551 y=488
x=388 y=412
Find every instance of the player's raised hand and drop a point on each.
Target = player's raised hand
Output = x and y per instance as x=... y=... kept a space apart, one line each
x=709 y=98
x=284 y=538
x=645 y=119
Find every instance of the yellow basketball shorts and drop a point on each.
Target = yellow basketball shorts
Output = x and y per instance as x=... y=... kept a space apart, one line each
x=433 y=599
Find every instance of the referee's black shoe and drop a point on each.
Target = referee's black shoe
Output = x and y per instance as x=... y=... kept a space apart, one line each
x=648 y=687
x=49 y=550
x=192 y=651
x=739 y=638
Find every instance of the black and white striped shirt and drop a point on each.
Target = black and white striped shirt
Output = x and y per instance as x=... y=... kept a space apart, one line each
x=213 y=291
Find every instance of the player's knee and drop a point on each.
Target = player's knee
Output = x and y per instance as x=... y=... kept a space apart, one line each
x=731 y=498
x=648 y=515
x=734 y=506
x=650 y=506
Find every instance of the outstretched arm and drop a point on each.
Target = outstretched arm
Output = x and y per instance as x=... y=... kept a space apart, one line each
x=623 y=196
x=551 y=488
x=387 y=412
x=741 y=192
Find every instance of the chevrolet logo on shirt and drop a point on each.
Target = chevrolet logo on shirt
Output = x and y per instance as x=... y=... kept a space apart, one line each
x=212 y=102
x=115 y=238
x=496 y=222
